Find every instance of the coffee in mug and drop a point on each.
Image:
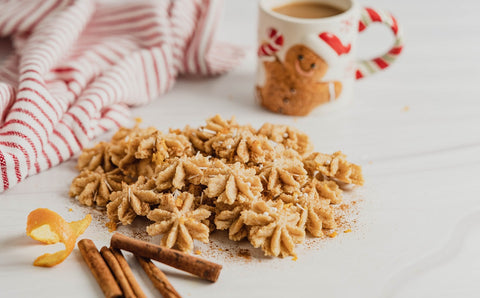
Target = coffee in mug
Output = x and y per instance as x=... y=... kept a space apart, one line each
x=307 y=10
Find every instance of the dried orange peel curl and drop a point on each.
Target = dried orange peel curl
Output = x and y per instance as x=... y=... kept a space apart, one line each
x=48 y=227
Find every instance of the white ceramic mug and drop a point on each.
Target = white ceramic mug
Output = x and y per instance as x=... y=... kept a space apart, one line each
x=306 y=63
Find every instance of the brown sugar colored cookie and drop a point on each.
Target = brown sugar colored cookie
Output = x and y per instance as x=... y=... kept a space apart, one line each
x=294 y=87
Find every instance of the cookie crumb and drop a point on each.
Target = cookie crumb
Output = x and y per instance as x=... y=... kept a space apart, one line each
x=406 y=108
x=112 y=227
x=332 y=235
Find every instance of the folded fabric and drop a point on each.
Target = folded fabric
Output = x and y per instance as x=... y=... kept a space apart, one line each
x=78 y=65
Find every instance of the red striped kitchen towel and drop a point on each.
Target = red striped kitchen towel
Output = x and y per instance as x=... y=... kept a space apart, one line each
x=78 y=65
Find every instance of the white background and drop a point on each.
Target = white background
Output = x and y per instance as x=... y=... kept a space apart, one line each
x=418 y=231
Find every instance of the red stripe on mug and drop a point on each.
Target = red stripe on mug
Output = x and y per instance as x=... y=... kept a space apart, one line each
x=394 y=25
x=272 y=32
x=373 y=15
x=361 y=26
x=358 y=74
x=279 y=40
x=396 y=51
x=261 y=51
x=381 y=63
x=271 y=48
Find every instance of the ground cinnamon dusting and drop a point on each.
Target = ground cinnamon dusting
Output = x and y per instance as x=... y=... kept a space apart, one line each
x=244 y=253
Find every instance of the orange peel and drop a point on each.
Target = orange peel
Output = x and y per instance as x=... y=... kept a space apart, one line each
x=49 y=227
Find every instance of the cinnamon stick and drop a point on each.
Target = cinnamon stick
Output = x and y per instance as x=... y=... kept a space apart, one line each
x=194 y=265
x=99 y=269
x=117 y=272
x=128 y=273
x=158 y=278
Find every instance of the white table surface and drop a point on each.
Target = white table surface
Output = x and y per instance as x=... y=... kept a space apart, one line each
x=418 y=231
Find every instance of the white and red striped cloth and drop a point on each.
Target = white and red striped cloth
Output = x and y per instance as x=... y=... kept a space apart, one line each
x=78 y=65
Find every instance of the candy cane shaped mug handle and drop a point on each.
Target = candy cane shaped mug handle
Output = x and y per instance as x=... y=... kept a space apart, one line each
x=370 y=66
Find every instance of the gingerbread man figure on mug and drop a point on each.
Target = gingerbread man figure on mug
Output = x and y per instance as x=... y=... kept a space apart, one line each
x=295 y=87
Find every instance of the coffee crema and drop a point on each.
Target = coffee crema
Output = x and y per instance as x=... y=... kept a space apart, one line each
x=308 y=10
